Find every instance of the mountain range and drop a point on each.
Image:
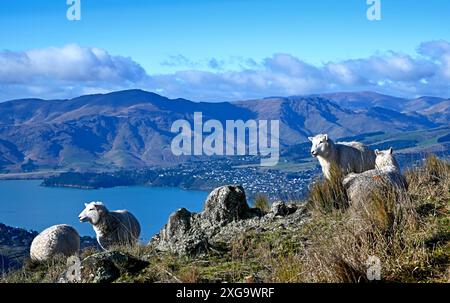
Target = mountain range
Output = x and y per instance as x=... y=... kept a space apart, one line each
x=128 y=129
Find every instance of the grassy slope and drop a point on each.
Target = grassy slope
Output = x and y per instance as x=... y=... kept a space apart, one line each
x=408 y=231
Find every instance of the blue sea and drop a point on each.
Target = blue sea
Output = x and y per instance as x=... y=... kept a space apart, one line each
x=26 y=204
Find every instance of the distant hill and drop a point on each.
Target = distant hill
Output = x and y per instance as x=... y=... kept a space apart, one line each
x=422 y=104
x=301 y=117
x=367 y=100
x=14 y=246
x=131 y=128
x=439 y=112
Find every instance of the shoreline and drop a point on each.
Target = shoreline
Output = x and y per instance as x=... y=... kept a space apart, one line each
x=81 y=187
x=31 y=175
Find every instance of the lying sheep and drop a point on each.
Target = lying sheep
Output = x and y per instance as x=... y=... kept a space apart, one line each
x=55 y=240
x=350 y=157
x=387 y=172
x=113 y=228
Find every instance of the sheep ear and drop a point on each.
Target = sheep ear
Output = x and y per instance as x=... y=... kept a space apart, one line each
x=310 y=139
x=391 y=151
x=85 y=204
x=325 y=137
x=377 y=152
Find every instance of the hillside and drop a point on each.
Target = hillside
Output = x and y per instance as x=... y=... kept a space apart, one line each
x=367 y=100
x=321 y=239
x=439 y=112
x=14 y=247
x=130 y=129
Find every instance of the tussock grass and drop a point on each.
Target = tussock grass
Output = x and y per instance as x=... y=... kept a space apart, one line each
x=328 y=195
x=261 y=201
x=407 y=231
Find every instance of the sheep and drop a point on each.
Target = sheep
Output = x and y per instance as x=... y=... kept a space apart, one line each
x=385 y=161
x=55 y=240
x=387 y=172
x=350 y=157
x=112 y=228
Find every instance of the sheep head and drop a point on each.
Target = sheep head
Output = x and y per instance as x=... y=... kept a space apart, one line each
x=320 y=145
x=92 y=212
x=385 y=158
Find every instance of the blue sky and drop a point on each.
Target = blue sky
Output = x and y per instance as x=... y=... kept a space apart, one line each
x=225 y=49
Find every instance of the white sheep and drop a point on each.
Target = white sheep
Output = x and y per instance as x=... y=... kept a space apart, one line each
x=55 y=240
x=386 y=162
x=112 y=228
x=387 y=172
x=350 y=157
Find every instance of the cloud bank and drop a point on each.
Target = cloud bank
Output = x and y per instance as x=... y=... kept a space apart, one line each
x=63 y=72
x=73 y=70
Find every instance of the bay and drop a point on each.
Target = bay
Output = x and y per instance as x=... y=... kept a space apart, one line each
x=26 y=204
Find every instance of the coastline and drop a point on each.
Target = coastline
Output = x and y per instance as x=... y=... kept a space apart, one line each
x=30 y=175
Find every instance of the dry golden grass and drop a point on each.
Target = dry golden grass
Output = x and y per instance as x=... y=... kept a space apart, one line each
x=261 y=201
x=328 y=195
x=412 y=244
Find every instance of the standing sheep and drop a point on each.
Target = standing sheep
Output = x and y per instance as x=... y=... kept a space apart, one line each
x=387 y=172
x=350 y=157
x=55 y=240
x=118 y=227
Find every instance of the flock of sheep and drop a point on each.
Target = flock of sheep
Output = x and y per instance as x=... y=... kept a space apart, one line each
x=360 y=165
x=112 y=228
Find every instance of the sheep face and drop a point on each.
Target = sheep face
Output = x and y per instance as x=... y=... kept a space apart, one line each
x=384 y=158
x=92 y=212
x=320 y=145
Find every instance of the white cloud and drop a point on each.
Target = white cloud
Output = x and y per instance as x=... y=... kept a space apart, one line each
x=65 y=71
x=73 y=70
x=283 y=74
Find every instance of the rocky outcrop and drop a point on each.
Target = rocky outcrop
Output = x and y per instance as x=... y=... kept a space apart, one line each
x=226 y=214
x=226 y=204
x=103 y=267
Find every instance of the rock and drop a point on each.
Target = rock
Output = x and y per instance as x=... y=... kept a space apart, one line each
x=225 y=216
x=106 y=267
x=179 y=223
x=226 y=204
x=281 y=209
